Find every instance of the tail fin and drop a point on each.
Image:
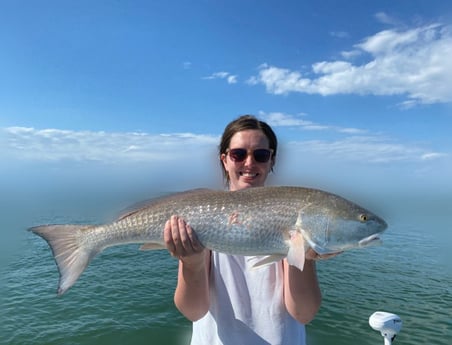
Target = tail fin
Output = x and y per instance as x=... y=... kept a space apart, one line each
x=69 y=253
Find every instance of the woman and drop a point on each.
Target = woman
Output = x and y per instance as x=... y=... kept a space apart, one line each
x=227 y=301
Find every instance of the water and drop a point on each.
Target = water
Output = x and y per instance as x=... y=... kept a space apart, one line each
x=126 y=296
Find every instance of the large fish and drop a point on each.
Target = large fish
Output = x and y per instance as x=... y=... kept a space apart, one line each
x=275 y=222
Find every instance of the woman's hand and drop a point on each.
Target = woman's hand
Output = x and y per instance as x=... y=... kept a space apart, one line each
x=181 y=240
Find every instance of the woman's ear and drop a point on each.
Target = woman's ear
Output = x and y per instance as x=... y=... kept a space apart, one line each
x=223 y=159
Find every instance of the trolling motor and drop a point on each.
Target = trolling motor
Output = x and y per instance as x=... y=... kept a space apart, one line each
x=388 y=324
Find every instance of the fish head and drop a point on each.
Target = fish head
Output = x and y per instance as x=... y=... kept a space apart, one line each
x=339 y=224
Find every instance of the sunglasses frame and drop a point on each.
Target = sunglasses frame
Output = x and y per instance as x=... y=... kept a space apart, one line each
x=247 y=153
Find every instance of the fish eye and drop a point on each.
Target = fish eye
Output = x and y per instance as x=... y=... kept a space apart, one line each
x=363 y=217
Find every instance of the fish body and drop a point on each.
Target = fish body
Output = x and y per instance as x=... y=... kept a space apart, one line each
x=275 y=222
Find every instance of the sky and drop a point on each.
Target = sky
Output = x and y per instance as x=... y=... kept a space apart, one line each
x=358 y=92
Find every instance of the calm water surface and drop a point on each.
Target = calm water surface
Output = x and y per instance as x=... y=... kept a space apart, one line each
x=125 y=296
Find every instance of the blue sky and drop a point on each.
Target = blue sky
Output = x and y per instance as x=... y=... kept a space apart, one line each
x=358 y=92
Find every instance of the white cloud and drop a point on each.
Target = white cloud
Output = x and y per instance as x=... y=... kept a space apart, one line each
x=230 y=78
x=278 y=119
x=54 y=145
x=365 y=149
x=350 y=54
x=31 y=144
x=350 y=130
x=432 y=155
x=220 y=75
x=384 y=18
x=179 y=161
x=414 y=63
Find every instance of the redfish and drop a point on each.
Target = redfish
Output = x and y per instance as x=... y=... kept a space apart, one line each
x=274 y=222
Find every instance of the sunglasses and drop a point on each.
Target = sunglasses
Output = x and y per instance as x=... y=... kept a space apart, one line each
x=259 y=155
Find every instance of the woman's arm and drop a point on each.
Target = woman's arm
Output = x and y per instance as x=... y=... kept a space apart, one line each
x=302 y=295
x=192 y=291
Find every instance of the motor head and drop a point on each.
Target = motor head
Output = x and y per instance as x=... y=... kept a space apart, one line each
x=386 y=323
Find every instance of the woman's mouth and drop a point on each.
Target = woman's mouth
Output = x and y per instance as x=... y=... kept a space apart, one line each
x=248 y=174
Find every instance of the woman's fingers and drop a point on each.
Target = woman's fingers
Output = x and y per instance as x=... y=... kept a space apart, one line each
x=180 y=239
x=168 y=237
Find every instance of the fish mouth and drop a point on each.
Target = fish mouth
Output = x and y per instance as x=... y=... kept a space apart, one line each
x=370 y=240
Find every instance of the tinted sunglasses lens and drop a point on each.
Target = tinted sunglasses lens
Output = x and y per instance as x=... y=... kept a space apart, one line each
x=238 y=155
x=262 y=155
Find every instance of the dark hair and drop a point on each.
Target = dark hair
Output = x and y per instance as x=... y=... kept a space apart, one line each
x=245 y=122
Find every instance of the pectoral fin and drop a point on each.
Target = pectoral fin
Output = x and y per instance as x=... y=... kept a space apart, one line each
x=152 y=246
x=296 y=254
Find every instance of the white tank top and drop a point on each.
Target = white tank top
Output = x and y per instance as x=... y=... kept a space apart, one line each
x=246 y=306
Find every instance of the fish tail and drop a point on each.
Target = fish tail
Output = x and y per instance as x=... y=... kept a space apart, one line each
x=70 y=255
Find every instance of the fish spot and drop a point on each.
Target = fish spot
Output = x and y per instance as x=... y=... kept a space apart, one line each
x=233 y=218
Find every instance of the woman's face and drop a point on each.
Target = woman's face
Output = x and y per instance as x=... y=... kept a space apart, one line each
x=249 y=172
